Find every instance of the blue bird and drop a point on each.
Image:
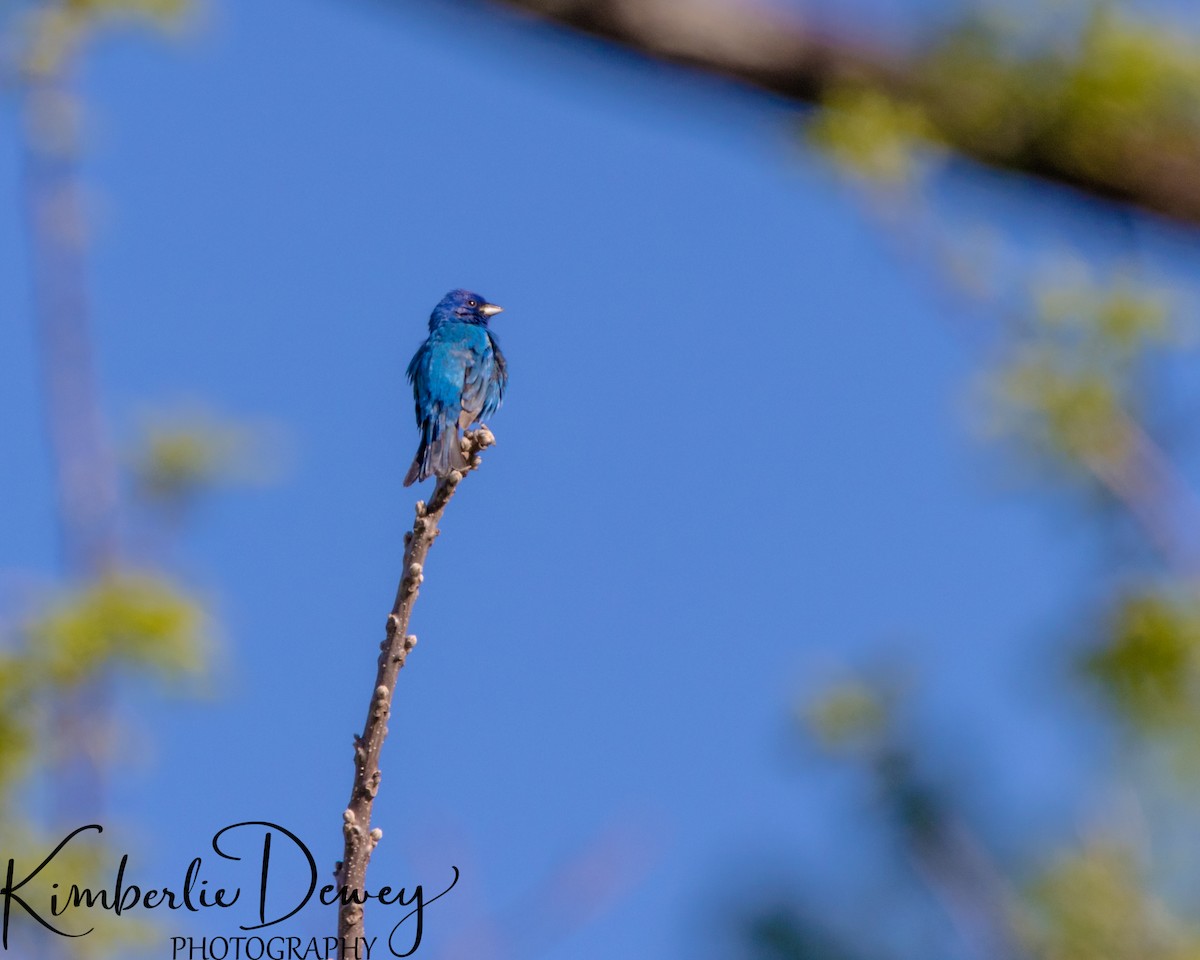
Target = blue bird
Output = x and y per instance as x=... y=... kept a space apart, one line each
x=458 y=377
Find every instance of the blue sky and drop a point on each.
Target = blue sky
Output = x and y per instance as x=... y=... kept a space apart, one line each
x=734 y=461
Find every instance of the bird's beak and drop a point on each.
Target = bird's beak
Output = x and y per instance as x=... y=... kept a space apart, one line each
x=490 y=309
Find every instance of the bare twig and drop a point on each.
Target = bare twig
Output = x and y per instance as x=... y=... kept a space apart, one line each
x=360 y=839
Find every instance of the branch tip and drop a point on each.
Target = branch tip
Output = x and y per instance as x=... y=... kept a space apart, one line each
x=482 y=438
x=360 y=838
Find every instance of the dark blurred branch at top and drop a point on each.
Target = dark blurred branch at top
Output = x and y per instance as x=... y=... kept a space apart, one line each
x=762 y=47
x=1114 y=114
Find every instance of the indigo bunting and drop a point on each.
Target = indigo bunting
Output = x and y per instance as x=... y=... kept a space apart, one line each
x=458 y=377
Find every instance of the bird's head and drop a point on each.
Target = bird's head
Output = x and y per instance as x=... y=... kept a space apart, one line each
x=463 y=306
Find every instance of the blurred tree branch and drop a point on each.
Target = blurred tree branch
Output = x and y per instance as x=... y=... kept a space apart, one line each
x=1069 y=387
x=857 y=718
x=57 y=663
x=1115 y=113
x=84 y=468
x=360 y=839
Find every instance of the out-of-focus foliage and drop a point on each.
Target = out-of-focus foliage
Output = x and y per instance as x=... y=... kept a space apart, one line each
x=1070 y=377
x=874 y=136
x=1068 y=389
x=1082 y=102
x=1116 y=105
x=136 y=621
x=16 y=692
x=858 y=719
x=54 y=28
x=180 y=458
x=848 y=715
x=1149 y=664
x=1094 y=905
x=108 y=620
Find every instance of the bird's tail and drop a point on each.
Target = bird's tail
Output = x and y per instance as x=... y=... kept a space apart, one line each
x=439 y=453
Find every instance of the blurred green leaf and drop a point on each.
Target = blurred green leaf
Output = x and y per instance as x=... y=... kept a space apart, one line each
x=178 y=458
x=1067 y=385
x=850 y=713
x=1149 y=665
x=1093 y=905
x=1092 y=107
x=16 y=736
x=137 y=620
x=872 y=135
x=54 y=28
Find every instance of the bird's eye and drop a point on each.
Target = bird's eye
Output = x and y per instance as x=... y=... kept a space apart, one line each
x=472 y=303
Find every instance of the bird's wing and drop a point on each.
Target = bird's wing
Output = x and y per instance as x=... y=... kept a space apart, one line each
x=418 y=376
x=485 y=377
x=497 y=379
x=474 y=391
x=438 y=372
